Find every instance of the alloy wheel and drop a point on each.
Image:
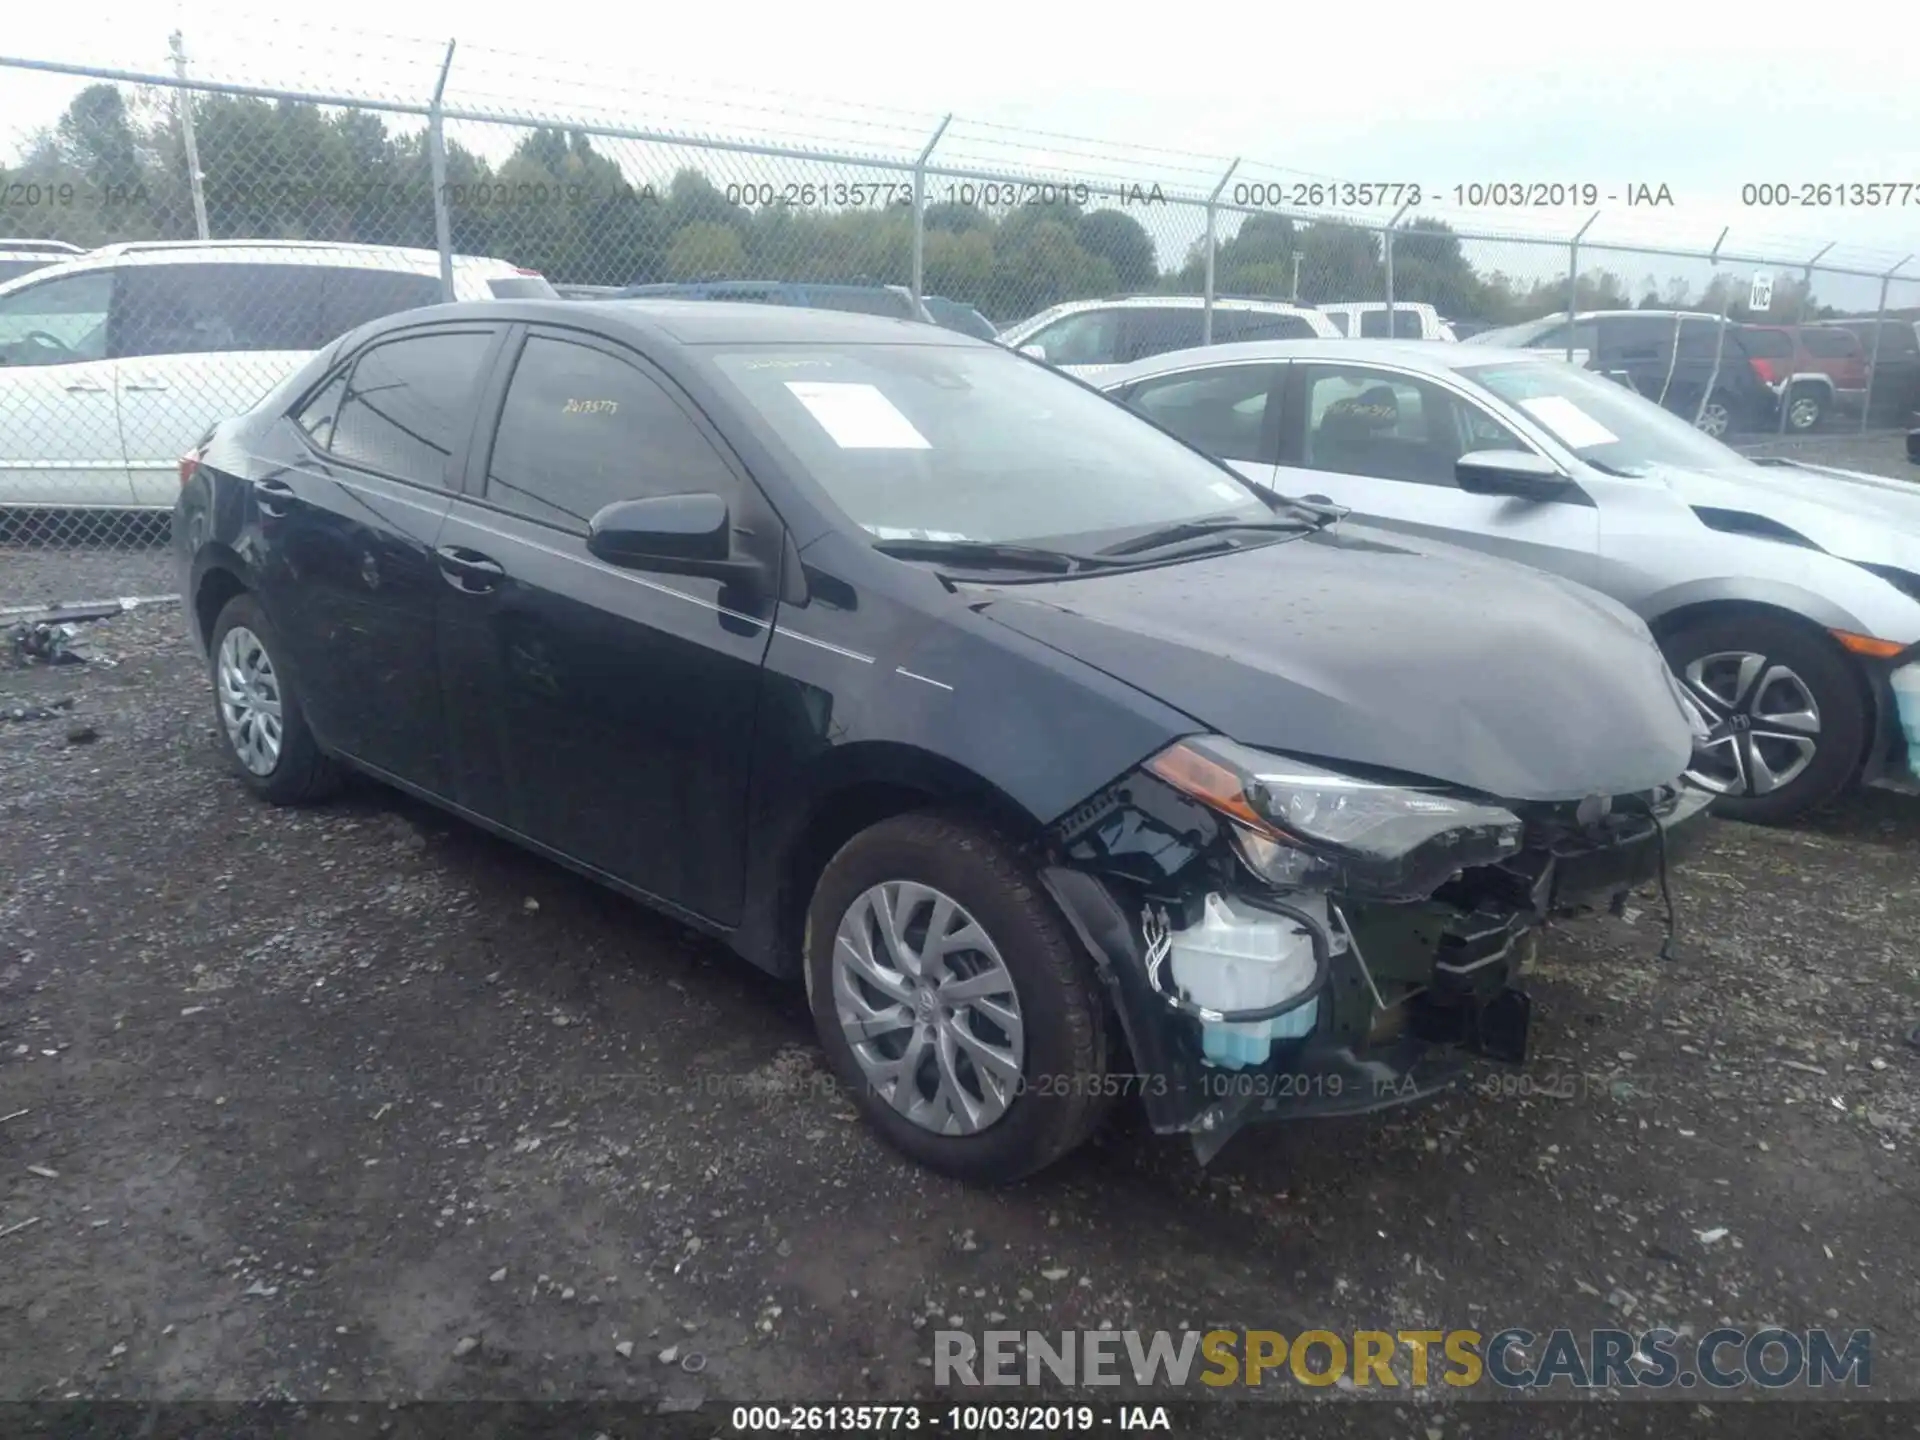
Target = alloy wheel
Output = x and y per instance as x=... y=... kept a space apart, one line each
x=250 y=700
x=1762 y=719
x=928 y=1008
x=1714 y=419
x=1803 y=414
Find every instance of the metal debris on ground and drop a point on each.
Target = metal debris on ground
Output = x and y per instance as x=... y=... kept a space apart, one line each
x=45 y=636
x=19 y=714
x=39 y=643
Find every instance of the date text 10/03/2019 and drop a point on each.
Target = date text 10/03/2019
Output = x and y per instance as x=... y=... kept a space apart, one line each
x=928 y=1416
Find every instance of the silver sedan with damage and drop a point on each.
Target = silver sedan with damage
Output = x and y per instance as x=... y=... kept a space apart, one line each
x=1785 y=595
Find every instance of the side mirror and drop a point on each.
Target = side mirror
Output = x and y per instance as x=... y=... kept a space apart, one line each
x=1913 y=446
x=1036 y=352
x=1513 y=473
x=673 y=534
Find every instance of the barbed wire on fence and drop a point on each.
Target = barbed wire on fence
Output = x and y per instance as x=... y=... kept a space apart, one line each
x=591 y=187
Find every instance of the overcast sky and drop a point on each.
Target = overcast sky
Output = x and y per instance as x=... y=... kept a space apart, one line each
x=1395 y=91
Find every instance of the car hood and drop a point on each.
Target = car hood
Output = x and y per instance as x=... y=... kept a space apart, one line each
x=1352 y=646
x=1846 y=513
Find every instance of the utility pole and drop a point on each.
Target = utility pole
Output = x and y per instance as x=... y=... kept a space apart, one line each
x=184 y=99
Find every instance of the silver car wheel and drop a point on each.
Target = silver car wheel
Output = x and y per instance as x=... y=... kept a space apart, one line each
x=249 y=694
x=1763 y=723
x=1714 y=419
x=928 y=1008
x=1803 y=414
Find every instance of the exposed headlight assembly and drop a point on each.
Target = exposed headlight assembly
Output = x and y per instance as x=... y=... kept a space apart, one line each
x=1299 y=826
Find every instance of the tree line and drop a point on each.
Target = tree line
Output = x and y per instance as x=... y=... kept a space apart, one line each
x=113 y=167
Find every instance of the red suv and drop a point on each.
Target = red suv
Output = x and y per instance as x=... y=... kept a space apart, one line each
x=1814 y=371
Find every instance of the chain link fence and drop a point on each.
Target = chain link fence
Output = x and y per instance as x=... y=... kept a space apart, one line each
x=319 y=211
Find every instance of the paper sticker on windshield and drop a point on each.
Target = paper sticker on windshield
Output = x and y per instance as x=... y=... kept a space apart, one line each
x=894 y=532
x=858 y=417
x=1575 y=428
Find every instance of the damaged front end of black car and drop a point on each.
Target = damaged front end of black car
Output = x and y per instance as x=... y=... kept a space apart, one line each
x=1282 y=940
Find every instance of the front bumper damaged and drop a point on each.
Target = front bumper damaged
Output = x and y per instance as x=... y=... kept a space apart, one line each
x=1412 y=995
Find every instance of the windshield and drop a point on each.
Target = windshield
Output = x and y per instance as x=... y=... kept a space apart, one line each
x=1600 y=420
x=967 y=442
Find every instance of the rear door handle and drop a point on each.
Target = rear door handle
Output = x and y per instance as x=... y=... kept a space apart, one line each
x=273 y=495
x=84 y=387
x=469 y=570
x=147 y=383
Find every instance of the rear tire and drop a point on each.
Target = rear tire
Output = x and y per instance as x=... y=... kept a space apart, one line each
x=1806 y=409
x=1032 y=1100
x=258 y=722
x=1716 y=417
x=1786 y=707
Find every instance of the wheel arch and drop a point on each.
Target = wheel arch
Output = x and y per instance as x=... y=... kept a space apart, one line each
x=220 y=574
x=860 y=785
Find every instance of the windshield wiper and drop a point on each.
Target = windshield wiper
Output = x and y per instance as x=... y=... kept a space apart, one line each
x=1218 y=524
x=990 y=553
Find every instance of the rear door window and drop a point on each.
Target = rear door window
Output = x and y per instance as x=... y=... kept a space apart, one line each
x=1156 y=330
x=197 y=309
x=1222 y=410
x=1830 y=344
x=406 y=404
x=1704 y=339
x=1637 y=337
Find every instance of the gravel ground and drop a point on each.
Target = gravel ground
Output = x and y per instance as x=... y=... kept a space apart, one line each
x=315 y=1098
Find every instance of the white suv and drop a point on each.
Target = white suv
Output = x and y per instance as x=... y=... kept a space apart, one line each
x=1085 y=337
x=1367 y=320
x=114 y=363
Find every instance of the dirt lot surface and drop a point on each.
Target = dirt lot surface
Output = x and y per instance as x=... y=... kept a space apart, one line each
x=358 y=1103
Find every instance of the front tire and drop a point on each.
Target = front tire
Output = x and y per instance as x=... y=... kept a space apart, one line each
x=1788 y=718
x=259 y=724
x=953 y=1002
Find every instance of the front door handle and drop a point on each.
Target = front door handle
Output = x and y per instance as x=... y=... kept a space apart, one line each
x=147 y=384
x=84 y=387
x=469 y=570
x=273 y=496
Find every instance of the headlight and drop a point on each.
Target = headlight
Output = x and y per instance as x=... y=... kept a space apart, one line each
x=1298 y=825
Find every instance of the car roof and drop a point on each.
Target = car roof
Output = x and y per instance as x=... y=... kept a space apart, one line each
x=1436 y=356
x=20 y=246
x=285 y=252
x=1419 y=306
x=693 y=322
x=663 y=287
x=1176 y=302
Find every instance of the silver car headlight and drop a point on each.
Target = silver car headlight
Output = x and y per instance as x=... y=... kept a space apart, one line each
x=1297 y=825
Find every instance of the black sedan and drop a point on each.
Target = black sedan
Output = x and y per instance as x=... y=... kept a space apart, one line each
x=1061 y=762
